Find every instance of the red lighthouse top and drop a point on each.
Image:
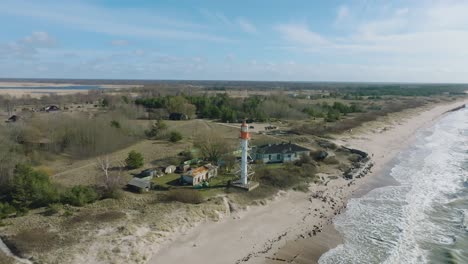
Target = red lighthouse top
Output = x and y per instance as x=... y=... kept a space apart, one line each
x=244 y=131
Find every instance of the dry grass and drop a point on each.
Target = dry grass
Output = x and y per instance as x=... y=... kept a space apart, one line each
x=35 y=240
x=84 y=172
x=94 y=218
x=4 y=259
x=185 y=196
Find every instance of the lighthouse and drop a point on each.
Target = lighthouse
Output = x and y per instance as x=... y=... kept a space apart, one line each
x=245 y=137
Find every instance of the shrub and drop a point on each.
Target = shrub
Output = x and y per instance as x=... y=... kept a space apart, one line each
x=115 y=124
x=134 y=160
x=112 y=193
x=332 y=116
x=280 y=178
x=319 y=155
x=6 y=209
x=175 y=136
x=80 y=195
x=185 y=196
x=331 y=161
x=304 y=159
x=354 y=158
x=156 y=129
x=53 y=209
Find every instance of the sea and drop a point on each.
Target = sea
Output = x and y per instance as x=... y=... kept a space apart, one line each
x=423 y=217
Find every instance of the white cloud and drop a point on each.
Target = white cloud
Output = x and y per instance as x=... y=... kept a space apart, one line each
x=301 y=34
x=126 y=22
x=119 y=42
x=219 y=18
x=402 y=11
x=416 y=43
x=342 y=14
x=39 y=39
x=246 y=26
x=27 y=47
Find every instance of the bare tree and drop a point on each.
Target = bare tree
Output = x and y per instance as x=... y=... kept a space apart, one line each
x=212 y=146
x=111 y=179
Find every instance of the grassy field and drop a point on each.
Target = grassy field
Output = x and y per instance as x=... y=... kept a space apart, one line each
x=155 y=152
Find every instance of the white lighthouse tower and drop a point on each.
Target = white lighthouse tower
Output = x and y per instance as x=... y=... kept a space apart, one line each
x=245 y=137
x=246 y=170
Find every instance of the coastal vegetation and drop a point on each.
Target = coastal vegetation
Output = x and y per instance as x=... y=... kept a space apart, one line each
x=68 y=170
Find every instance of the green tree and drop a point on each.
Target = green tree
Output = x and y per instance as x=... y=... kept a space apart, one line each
x=175 y=136
x=31 y=188
x=178 y=104
x=105 y=102
x=134 y=160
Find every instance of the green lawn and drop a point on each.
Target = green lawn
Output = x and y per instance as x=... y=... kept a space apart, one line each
x=222 y=180
x=167 y=180
x=217 y=184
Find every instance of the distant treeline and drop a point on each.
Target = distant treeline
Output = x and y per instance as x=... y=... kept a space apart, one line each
x=399 y=90
x=258 y=108
x=219 y=106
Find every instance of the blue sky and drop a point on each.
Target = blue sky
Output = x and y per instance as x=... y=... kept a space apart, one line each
x=359 y=40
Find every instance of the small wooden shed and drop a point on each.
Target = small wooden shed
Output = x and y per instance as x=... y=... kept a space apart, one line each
x=140 y=185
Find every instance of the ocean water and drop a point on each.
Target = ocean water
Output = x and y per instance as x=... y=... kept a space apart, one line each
x=422 y=219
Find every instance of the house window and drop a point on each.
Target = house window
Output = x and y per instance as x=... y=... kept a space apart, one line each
x=289 y=155
x=269 y=157
x=278 y=156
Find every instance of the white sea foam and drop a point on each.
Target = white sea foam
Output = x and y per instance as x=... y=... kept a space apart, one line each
x=394 y=224
x=465 y=219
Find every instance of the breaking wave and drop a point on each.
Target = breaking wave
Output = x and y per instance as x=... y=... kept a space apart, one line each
x=424 y=218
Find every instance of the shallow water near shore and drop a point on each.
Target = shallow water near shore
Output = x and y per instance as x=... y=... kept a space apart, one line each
x=422 y=218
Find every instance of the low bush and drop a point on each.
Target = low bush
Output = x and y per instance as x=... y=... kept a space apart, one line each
x=331 y=161
x=53 y=209
x=185 y=196
x=175 y=136
x=6 y=209
x=289 y=176
x=354 y=158
x=80 y=195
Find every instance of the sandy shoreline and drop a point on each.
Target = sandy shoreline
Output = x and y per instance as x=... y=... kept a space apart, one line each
x=288 y=229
